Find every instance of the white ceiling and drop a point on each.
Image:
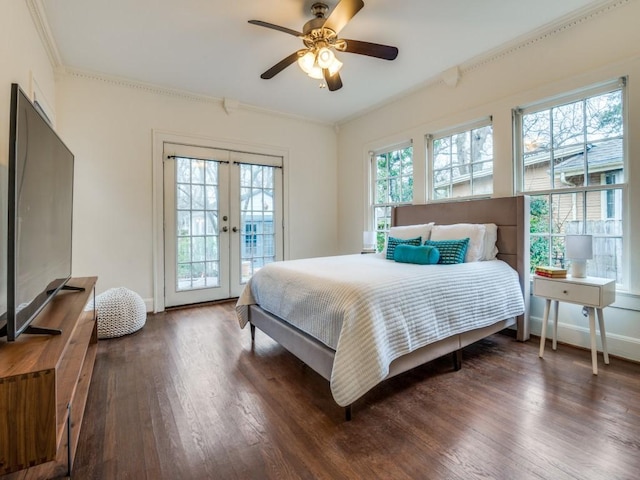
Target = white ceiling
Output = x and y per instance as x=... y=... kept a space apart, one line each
x=207 y=47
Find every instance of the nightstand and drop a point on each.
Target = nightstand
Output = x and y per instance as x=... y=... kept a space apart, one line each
x=592 y=292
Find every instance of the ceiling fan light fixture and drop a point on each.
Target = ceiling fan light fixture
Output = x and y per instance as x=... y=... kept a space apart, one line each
x=320 y=38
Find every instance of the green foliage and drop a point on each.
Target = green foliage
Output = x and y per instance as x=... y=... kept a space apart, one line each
x=539 y=245
x=539 y=248
x=394 y=176
x=380 y=237
x=544 y=249
x=539 y=213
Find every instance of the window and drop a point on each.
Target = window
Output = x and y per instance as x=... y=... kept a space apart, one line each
x=462 y=161
x=392 y=184
x=570 y=158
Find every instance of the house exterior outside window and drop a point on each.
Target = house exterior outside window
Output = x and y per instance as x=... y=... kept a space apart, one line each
x=462 y=161
x=257 y=190
x=570 y=158
x=391 y=185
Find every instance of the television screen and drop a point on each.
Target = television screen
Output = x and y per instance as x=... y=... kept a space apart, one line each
x=40 y=214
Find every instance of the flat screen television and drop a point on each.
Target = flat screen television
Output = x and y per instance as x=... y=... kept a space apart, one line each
x=40 y=202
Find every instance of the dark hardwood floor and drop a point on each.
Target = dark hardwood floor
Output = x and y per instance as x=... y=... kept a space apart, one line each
x=188 y=397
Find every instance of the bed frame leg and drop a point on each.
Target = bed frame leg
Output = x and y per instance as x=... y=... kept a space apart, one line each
x=347 y=413
x=457 y=359
x=253 y=332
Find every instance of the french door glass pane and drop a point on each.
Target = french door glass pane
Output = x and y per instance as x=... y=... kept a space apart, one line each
x=257 y=233
x=197 y=254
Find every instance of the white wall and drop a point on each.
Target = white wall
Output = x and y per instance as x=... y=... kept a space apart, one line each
x=593 y=49
x=24 y=61
x=108 y=124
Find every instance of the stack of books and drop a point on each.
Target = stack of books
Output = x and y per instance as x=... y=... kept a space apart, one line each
x=551 y=272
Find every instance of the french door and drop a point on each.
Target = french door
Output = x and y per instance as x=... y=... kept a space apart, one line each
x=223 y=221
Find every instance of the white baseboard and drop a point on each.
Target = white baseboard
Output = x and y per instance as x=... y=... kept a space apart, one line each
x=618 y=345
x=149 y=304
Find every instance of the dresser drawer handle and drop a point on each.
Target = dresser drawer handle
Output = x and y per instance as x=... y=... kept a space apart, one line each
x=565 y=292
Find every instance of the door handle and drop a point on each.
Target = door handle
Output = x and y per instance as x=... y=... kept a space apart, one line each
x=225 y=229
x=235 y=229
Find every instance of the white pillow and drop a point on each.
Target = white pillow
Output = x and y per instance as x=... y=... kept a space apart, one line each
x=490 y=240
x=474 y=231
x=409 y=231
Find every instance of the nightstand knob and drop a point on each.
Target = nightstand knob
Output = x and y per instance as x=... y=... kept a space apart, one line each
x=565 y=292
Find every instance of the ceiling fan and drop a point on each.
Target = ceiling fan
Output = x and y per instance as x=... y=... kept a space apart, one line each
x=320 y=37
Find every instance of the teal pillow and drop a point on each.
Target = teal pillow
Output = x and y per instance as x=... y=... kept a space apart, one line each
x=420 y=255
x=393 y=242
x=451 y=251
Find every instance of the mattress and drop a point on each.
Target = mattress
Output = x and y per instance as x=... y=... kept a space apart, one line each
x=372 y=310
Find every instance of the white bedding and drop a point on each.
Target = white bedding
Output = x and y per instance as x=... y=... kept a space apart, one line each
x=372 y=310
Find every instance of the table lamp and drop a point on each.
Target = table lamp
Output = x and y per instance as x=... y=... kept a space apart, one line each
x=369 y=241
x=578 y=249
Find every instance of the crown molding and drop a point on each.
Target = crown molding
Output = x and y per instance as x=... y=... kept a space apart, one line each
x=557 y=27
x=64 y=71
x=182 y=94
x=39 y=17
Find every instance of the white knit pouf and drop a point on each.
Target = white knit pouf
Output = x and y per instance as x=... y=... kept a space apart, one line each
x=120 y=311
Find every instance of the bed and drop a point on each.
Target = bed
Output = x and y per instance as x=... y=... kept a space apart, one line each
x=390 y=322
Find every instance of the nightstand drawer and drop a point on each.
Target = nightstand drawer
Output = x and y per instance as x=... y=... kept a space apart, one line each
x=567 y=292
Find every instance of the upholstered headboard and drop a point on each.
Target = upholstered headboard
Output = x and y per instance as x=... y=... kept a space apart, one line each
x=510 y=214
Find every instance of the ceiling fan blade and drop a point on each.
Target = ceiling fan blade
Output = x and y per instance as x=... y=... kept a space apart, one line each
x=334 y=82
x=371 y=49
x=342 y=13
x=276 y=27
x=281 y=65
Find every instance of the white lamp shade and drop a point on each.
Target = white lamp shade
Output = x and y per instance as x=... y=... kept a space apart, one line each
x=369 y=239
x=306 y=61
x=578 y=247
x=316 y=72
x=325 y=57
x=335 y=66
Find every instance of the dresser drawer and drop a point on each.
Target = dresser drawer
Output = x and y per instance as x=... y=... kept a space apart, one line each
x=567 y=292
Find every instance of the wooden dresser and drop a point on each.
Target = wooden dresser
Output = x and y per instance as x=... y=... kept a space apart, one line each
x=44 y=384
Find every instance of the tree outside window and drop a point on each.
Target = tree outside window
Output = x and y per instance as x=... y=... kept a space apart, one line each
x=462 y=162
